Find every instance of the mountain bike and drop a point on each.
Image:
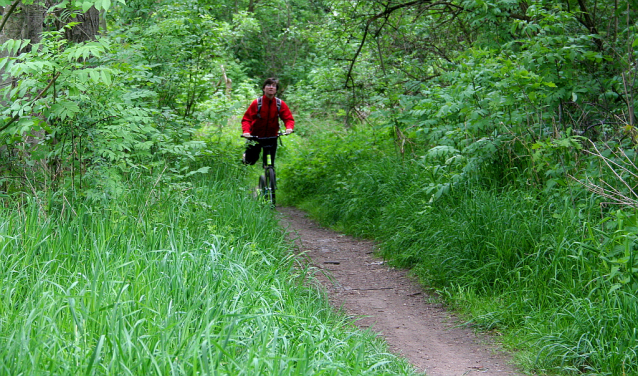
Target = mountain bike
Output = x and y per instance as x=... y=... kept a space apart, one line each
x=267 y=181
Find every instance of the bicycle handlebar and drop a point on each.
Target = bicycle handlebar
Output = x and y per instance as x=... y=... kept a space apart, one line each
x=266 y=138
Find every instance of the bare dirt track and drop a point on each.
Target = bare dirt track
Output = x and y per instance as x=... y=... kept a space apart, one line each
x=387 y=301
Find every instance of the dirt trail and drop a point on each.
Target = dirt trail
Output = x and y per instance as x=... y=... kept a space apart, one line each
x=385 y=300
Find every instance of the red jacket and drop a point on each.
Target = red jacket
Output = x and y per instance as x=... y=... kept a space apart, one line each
x=268 y=124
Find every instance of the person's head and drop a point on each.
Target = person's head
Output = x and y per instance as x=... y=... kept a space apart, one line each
x=270 y=82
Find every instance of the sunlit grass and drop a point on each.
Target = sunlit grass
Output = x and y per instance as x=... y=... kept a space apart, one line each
x=175 y=280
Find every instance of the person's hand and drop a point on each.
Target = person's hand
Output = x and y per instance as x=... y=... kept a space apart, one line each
x=288 y=131
x=247 y=135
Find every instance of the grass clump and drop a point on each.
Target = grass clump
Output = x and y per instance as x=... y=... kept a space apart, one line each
x=541 y=267
x=167 y=279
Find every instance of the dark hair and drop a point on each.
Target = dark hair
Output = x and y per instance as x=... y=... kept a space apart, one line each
x=270 y=81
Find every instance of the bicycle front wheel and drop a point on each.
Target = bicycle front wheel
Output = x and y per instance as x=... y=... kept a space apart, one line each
x=270 y=186
x=263 y=187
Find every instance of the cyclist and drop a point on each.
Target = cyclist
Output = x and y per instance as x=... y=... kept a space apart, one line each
x=262 y=120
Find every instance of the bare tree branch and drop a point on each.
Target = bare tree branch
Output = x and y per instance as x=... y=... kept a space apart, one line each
x=604 y=188
x=369 y=22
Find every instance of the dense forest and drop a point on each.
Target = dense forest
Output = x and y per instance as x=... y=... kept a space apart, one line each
x=490 y=147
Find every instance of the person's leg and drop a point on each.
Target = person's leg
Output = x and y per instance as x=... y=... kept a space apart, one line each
x=251 y=156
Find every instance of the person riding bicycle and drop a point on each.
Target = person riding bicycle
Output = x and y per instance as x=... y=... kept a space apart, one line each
x=262 y=120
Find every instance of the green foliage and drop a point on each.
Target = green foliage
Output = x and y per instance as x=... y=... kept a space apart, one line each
x=94 y=110
x=132 y=101
x=275 y=38
x=84 y=5
x=83 y=111
x=167 y=279
x=616 y=241
x=535 y=263
x=494 y=82
x=472 y=136
x=184 y=51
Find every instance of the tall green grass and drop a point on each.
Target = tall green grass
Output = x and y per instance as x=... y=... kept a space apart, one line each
x=541 y=268
x=167 y=279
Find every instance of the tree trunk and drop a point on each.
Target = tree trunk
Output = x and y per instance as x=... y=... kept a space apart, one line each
x=251 y=6
x=12 y=27
x=25 y=22
x=34 y=21
x=88 y=28
x=103 y=29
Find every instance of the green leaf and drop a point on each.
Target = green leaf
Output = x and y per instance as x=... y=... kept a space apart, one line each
x=12 y=46
x=95 y=75
x=102 y=4
x=86 y=6
x=5 y=63
x=615 y=287
x=64 y=109
x=82 y=75
x=441 y=151
x=106 y=76
x=635 y=44
x=203 y=170
x=96 y=355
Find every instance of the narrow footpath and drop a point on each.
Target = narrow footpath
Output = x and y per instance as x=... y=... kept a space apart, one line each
x=385 y=300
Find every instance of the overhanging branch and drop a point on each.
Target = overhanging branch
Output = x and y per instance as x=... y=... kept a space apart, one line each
x=8 y=14
x=16 y=117
x=369 y=22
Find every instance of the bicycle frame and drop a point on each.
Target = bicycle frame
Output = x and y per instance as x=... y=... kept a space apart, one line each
x=267 y=153
x=267 y=181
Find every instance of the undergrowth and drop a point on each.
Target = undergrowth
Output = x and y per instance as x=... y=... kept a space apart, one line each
x=168 y=278
x=545 y=267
